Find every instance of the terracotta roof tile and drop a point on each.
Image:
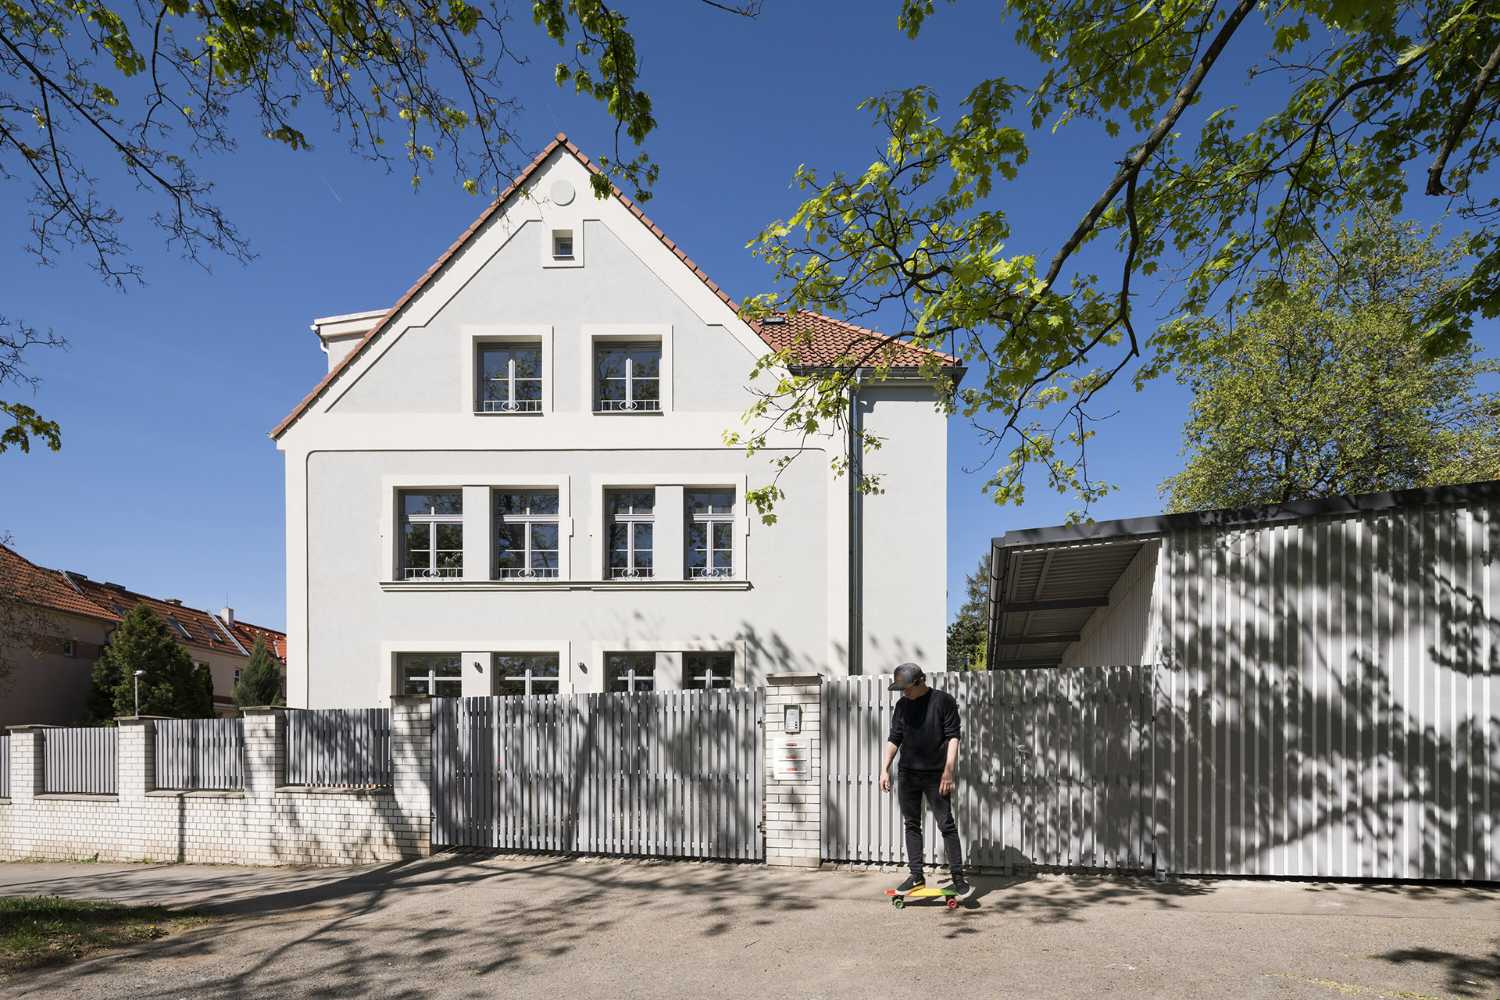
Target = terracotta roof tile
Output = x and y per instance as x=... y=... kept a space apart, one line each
x=50 y=588
x=816 y=341
x=827 y=333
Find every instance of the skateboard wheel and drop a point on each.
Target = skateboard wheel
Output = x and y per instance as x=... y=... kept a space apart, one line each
x=897 y=902
x=952 y=903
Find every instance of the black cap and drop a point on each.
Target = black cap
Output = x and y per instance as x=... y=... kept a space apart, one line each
x=906 y=675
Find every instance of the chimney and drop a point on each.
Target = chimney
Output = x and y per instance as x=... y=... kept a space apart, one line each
x=227 y=614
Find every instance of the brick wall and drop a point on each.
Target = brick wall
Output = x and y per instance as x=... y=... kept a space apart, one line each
x=268 y=823
x=794 y=772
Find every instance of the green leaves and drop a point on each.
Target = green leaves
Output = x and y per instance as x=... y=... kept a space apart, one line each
x=27 y=424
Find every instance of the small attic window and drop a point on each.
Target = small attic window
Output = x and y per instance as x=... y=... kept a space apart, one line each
x=562 y=244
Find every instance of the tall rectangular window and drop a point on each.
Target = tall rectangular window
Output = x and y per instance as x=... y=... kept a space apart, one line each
x=630 y=672
x=432 y=535
x=704 y=671
x=526 y=534
x=627 y=377
x=631 y=514
x=525 y=673
x=437 y=674
x=510 y=378
x=710 y=534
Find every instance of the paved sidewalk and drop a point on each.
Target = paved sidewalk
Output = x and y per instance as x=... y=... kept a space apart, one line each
x=486 y=926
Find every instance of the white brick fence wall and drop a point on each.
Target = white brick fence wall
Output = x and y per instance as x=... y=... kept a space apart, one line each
x=269 y=823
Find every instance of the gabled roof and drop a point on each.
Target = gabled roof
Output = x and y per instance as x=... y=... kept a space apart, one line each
x=825 y=339
x=74 y=593
x=818 y=341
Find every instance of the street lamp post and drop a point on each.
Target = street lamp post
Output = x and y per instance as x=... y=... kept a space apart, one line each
x=138 y=675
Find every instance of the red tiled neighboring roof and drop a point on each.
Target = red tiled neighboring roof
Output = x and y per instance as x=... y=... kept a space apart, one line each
x=819 y=341
x=45 y=588
x=825 y=334
x=50 y=588
x=275 y=641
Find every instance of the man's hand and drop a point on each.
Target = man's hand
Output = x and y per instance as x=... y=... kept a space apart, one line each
x=885 y=780
x=945 y=786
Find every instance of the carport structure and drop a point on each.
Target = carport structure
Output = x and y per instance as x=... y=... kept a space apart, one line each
x=1325 y=674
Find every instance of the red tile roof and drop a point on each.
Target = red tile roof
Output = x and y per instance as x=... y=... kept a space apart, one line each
x=828 y=334
x=71 y=592
x=821 y=341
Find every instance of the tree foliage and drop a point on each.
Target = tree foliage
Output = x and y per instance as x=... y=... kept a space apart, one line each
x=107 y=104
x=1323 y=388
x=968 y=632
x=261 y=681
x=171 y=684
x=1203 y=198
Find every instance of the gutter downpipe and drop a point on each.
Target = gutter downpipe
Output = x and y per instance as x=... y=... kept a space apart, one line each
x=856 y=530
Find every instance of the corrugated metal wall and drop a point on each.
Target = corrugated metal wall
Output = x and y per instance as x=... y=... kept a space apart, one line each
x=667 y=774
x=1126 y=631
x=1053 y=770
x=1328 y=697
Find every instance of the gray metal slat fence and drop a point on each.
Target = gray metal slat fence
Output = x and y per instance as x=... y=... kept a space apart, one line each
x=196 y=754
x=666 y=774
x=1054 y=770
x=4 y=765
x=80 y=761
x=339 y=747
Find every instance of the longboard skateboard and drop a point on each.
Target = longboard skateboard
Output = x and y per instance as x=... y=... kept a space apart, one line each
x=949 y=896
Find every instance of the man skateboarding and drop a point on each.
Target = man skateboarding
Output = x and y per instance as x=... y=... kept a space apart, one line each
x=925 y=729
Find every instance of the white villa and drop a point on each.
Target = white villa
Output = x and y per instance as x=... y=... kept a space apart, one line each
x=515 y=479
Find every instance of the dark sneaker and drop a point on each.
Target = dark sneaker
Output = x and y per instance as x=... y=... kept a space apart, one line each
x=912 y=882
x=962 y=890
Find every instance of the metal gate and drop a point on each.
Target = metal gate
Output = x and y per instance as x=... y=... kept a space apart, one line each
x=669 y=774
x=1054 y=769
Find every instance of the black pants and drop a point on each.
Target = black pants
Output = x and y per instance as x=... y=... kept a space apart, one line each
x=911 y=788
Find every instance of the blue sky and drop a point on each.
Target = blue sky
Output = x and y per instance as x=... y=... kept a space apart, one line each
x=167 y=482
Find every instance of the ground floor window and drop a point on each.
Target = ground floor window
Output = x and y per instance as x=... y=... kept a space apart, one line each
x=632 y=672
x=702 y=671
x=437 y=674
x=526 y=673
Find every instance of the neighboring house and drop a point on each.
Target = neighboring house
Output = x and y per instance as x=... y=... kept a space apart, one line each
x=515 y=479
x=54 y=623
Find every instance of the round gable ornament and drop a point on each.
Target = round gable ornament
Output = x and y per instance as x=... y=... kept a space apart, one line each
x=562 y=193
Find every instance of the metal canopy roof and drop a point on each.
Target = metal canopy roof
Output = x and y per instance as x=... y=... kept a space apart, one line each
x=1041 y=597
x=1045 y=583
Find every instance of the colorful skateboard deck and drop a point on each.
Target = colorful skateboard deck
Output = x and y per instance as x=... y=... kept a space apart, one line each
x=949 y=896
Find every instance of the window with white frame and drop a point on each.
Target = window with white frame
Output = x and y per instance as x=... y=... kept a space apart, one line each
x=510 y=377
x=703 y=671
x=437 y=674
x=631 y=515
x=630 y=672
x=709 y=547
x=432 y=535
x=562 y=244
x=526 y=673
x=627 y=377
x=526 y=534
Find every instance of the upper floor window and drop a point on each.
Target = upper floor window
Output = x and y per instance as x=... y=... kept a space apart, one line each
x=704 y=671
x=510 y=378
x=710 y=533
x=526 y=534
x=525 y=673
x=562 y=244
x=627 y=377
x=631 y=514
x=432 y=535
x=630 y=672
x=437 y=674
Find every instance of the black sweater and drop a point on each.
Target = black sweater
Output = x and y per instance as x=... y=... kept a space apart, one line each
x=922 y=727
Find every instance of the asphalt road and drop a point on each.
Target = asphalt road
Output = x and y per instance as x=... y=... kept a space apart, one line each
x=482 y=926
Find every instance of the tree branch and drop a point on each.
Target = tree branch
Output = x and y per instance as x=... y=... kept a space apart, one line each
x=1461 y=122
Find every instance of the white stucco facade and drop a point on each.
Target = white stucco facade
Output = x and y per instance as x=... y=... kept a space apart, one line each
x=400 y=416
